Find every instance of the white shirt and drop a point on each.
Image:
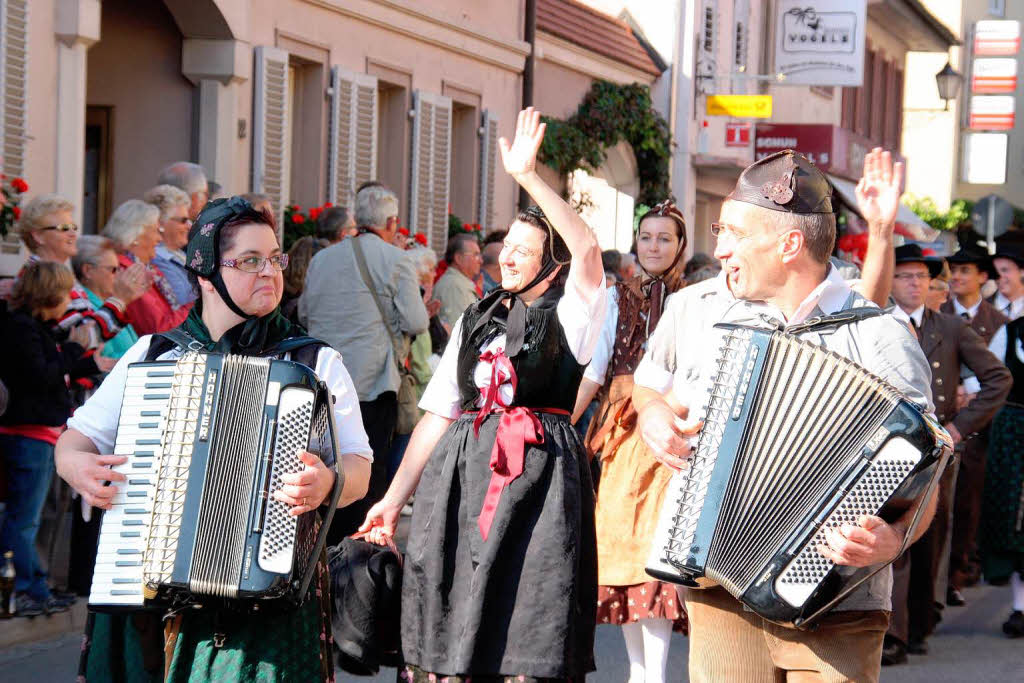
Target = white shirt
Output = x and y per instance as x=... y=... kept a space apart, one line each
x=581 y=322
x=960 y=309
x=1016 y=307
x=917 y=316
x=598 y=368
x=98 y=418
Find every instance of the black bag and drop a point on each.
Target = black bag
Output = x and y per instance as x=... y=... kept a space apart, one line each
x=366 y=590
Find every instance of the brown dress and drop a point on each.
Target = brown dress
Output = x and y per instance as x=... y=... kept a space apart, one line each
x=633 y=484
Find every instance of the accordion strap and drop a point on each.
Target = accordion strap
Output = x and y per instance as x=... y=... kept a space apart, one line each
x=830 y=323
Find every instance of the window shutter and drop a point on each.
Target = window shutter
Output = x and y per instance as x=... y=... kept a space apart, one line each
x=741 y=42
x=707 y=46
x=13 y=76
x=488 y=165
x=352 y=142
x=430 y=171
x=271 y=129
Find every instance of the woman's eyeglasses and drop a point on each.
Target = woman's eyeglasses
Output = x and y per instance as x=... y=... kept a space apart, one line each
x=63 y=227
x=111 y=269
x=255 y=264
x=184 y=220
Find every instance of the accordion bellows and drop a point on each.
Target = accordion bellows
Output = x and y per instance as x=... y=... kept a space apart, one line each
x=208 y=438
x=795 y=439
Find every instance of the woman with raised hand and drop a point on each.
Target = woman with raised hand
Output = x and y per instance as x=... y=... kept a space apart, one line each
x=500 y=574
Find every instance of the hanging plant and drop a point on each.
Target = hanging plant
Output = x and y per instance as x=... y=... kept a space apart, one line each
x=609 y=114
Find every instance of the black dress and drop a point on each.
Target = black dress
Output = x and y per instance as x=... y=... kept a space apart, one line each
x=521 y=602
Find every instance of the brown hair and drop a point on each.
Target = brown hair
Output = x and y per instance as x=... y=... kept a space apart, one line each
x=667 y=209
x=299 y=258
x=41 y=284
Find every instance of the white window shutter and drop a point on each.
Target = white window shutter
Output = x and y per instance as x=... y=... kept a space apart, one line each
x=352 y=141
x=430 y=172
x=271 y=129
x=707 y=45
x=488 y=166
x=13 y=79
x=741 y=43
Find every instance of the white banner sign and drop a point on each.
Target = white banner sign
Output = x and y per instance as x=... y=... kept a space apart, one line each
x=997 y=37
x=820 y=42
x=994 y=75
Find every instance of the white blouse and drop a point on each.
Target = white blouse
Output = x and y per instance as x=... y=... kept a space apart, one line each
x=98 y=418
x=581 y=321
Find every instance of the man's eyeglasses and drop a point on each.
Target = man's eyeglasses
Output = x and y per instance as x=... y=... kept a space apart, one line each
x=724 y=229
x=910 y=277
x=184 y=220
x=255 y=264
x=63 y=227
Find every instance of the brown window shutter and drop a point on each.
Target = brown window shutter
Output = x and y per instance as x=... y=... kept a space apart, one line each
x=271 y=134
x=352 y=140
x=898 y=89
x=876 y=100
x=849 y=118
x=863 y=125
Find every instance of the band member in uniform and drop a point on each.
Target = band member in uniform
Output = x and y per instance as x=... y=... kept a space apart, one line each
x=971 y=267
x=1009 y=264
x=775 y=235
x=500 y=576
x=1001 y=538
x=948 y=342
x=236 y=262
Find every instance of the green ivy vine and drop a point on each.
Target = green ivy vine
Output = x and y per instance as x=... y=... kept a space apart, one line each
x=609 y=114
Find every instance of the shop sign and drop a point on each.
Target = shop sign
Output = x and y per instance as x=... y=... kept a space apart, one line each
x=991 y=112
x=737 y=134
x=740 y=106
x=820 y=42
x=997 y=37
x=994 y=75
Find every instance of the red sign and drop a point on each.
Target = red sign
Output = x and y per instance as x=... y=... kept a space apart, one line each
x=992 y=112
x=994 y=37
x=737 y=134
x=831 y=148
x=994 y=75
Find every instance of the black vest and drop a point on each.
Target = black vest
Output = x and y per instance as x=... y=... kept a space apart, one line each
x=1015 y=331
x=549 y=376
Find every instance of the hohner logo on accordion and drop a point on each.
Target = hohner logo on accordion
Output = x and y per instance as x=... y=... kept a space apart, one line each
x=795 y=439
x=207 y=439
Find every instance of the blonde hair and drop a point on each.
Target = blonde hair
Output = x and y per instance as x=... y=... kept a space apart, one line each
x=41 y=284
x=128 y=221
x=166 y=197
x=32 y=215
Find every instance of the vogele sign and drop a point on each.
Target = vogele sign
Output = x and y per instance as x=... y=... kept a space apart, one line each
x=820 y=42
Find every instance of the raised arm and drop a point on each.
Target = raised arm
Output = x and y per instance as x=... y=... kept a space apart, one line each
x=878 y=198
x=520 y=160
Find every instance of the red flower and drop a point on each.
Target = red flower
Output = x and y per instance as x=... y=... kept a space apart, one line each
x=328 y=205
x=19 y=185
x=296 y=207
x=17 y=212
x=403 y=231
x=298 y=218
x=420 y=239
x=314 y=213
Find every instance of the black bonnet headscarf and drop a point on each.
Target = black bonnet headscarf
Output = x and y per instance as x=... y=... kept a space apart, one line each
x=513 y=318
x=203 y=256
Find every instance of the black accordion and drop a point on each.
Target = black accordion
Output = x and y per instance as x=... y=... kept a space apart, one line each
x=795 y=439
x=207 y=439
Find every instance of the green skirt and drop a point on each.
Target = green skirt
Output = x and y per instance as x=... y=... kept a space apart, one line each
x=278 y=647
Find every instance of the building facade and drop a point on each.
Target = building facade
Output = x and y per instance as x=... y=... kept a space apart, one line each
x=302 y=100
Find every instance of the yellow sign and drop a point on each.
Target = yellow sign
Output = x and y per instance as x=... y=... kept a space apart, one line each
x=740 y=106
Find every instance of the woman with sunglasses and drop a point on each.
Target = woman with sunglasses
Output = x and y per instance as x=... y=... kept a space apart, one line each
x=236 y=264
x=174 y=226
x=632 y=483
x=134 y=228
x=500 y=570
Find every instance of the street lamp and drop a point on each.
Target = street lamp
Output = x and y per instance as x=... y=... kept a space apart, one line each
x=949 y=81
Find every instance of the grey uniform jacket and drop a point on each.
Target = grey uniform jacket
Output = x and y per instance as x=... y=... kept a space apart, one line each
x=337 y=307
x=681 y=355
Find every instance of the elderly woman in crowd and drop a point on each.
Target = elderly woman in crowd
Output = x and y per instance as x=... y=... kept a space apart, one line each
x=174 y=225
x=96 y=268
x=48 y=229
x=35 y=369
x=134 y=228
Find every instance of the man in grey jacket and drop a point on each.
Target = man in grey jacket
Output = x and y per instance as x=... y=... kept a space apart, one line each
x=338 y=307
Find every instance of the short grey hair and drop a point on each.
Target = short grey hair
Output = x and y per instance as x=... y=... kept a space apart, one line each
x=186 y=176
x=90 y=247
x=374 y=206
x=330 y=222
x=819 y=230
x=423 y=259
x=128 y=221
x=33 y=212
x=166 y=197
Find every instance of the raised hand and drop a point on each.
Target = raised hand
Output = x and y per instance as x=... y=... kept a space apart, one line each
x=878 y=191
x=520 y=158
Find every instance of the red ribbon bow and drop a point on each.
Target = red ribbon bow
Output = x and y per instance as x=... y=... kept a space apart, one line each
x=518 y=427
